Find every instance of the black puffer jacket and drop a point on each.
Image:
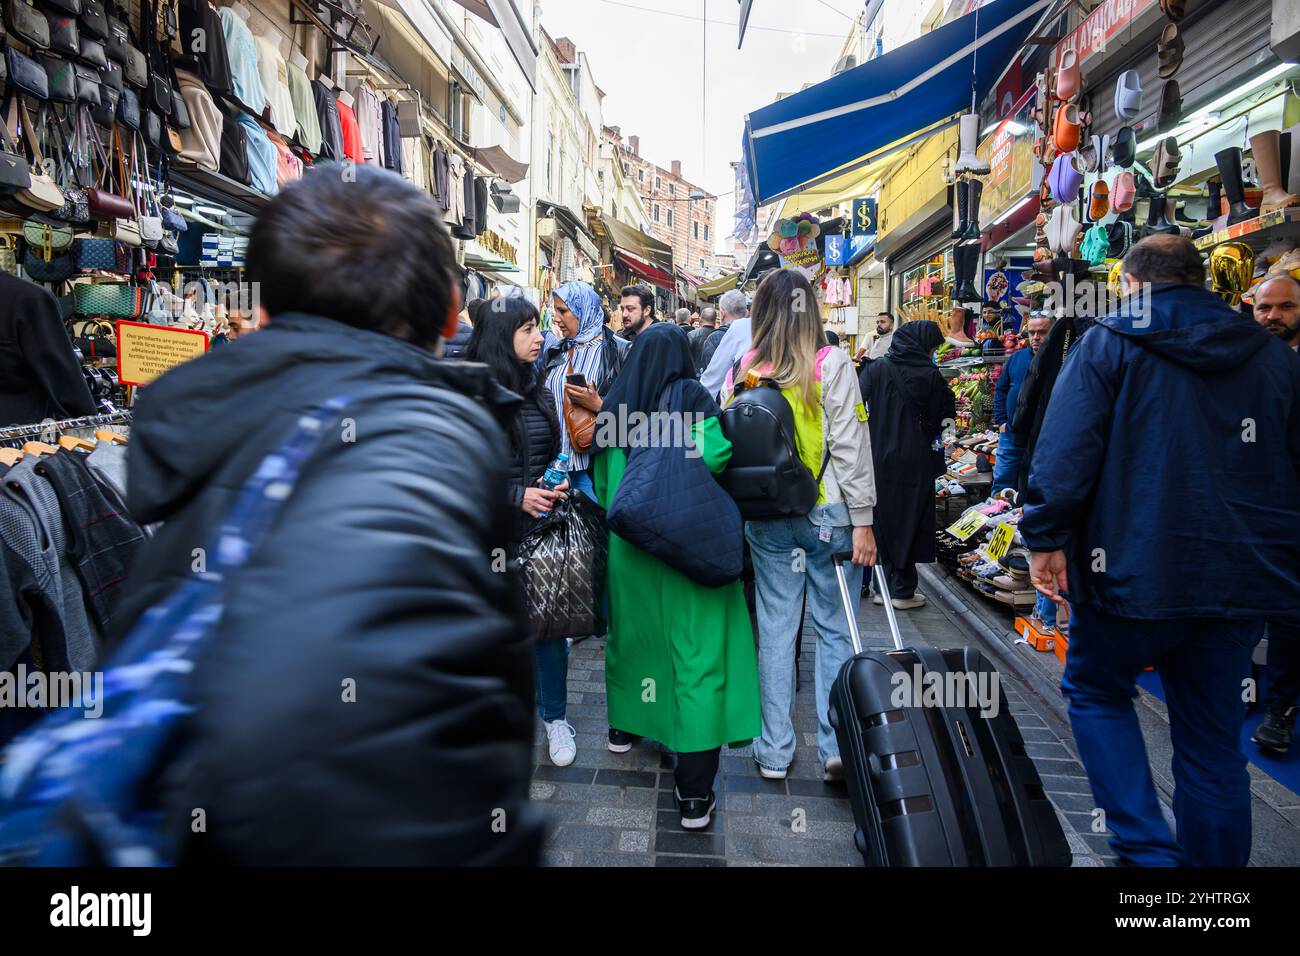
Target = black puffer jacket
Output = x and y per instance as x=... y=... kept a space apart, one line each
x=379 y=570
x=534 y=441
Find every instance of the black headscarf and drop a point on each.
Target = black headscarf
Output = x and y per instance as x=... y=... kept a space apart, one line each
x=913 y=343
x=660 y=359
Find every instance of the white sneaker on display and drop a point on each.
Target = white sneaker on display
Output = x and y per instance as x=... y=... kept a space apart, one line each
x=560 y=738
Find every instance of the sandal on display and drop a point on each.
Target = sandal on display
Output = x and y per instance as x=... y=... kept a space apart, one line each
x=1124 y=149
x=1124 y=192
x=1171 y=107
x=1128 y=96
x=1266 y=147
x=1065 y=128
x=1174 y=10
x=1067 y=76
x=1065 y=179
x=1098 y=201
x=1063 y=230
x=1096 y=243
x=1169 y=51
x=1166 y=162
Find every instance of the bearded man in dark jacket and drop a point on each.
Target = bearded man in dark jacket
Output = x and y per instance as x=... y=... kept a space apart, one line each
x=367 y=696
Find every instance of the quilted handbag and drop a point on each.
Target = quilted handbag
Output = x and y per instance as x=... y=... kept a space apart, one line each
x=564 y=558
x=92 y=51
x=27 y=24
x=62 y=78
x=25 y=75
x=98 y=255
x=116 y=300
x=128 y=110
x=93 y=20
x=53 y=269
x=64 y=39
x=70 y=7
x=670 y=506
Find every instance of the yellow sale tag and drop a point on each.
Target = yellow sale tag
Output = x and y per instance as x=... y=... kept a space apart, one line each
x=967 y=525
x=1000 y=543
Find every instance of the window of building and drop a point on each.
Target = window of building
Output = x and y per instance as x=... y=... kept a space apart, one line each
x=656 y=212
x=658 y=183
x=640 y=175
x=672 y=190
x=706 y=232
x=670 y=218
x=696 y=224
x=701 y=263
x=550 y=151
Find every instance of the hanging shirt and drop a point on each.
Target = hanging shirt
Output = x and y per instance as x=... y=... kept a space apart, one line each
x=480 y=205
x=246 y=81
x=442 y=177
x=262 y=158
x=275 y=81
x=327 y=115
x=392 y=138
x=370 y=122
x=413 y=161
x=456 y=190
x=468 y=227
x=203 y=46
x=351 y=133
x=306 y=122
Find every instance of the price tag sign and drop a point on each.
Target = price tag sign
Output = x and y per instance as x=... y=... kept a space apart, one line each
x=967 y=525
x=1000 y=543
x=145 y=351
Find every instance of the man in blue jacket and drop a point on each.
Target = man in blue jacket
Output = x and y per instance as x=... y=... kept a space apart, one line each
x=1164 y=502
x=1010 y=451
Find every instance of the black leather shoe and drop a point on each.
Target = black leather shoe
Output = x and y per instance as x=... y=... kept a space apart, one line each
x=619 y=742
x=1274 y=731
x=697 y=812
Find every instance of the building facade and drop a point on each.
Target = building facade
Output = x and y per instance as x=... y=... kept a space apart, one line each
x=684 y=223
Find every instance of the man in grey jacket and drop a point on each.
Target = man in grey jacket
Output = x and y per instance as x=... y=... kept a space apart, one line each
x=728 y=343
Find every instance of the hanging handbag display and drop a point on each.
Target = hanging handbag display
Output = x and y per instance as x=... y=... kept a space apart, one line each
x=88 y=86
x=54 y=269
x=46 y=236
x=113 y=299
x=62 y=77
x=42 y=193
x=92 y=51
x=64 y=39
x=105 y=204
x=95 y=338
x=117 y=41
x=98 y=255
x=93 y=20
x=25 y=75
x=136 y=69
x=15 y=171
x=128 y=110
x=27 y=24
x=151 y=225
x=112 y=76
x=69 y=7
x=167 y=19
x=105 y=112
x=75 y=210
x=8 y=257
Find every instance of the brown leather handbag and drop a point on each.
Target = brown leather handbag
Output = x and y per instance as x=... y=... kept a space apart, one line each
x=579 y=422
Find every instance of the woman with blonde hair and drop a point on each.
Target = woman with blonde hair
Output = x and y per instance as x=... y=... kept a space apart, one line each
x=793 y=556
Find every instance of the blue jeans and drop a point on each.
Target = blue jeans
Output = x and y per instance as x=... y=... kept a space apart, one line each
x=551 y=660
x=581 y=481
x=1202 y=663
x=779 y=548
x=1045 y=609
x=1006 y=470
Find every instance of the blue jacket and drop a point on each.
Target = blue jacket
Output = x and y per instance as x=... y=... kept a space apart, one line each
x=1168 y=465
x=1009 y=382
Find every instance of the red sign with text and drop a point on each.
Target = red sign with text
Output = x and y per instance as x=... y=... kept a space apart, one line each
x=1102 y=25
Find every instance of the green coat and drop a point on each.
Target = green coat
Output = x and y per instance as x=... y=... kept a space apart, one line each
x=680 y=665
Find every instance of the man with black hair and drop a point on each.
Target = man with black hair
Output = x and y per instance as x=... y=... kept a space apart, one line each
x=636 y=306
x=1163 y=503
x=379 y=574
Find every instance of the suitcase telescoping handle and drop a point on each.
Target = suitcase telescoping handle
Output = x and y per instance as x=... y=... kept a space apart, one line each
x=850 y=606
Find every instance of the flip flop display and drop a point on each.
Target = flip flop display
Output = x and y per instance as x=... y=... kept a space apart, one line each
x=1068 y=79
x=1098 y=201
x=1128 y=96
x=1169 y=51
x=1065 y=128
x=1065 y=179
x=1166 y=162
x=1124 y=149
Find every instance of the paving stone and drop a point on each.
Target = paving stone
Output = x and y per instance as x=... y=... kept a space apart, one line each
x=541 y=791
x=1098 y=843
x=570 y=774
x=671 y=820
x=588 y=793
x=626 y=778
x=1074 y=802
x=1055 y=767
x=621 y=817
x=640 y=798
x=634 y=841
x=695 y=843
x=610 y=858
x=816 y=788
x=557 y=858
x=571 y=837
x=736 y=783
x=1051 y=750
x=814 y=808
x=557 y=814
x=1063 y=784
x=738 y=802
x=689 y=861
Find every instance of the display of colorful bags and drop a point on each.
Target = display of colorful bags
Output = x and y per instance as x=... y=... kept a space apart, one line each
x=99 y=255
x=114 y=299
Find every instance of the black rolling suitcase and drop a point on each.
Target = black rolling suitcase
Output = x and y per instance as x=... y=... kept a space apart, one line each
x=935 y=785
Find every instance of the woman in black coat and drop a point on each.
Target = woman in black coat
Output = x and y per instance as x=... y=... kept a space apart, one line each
x=908 y=402
x=507 y=339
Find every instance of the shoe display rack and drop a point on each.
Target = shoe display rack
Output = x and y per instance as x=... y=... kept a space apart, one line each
x=1258 y=233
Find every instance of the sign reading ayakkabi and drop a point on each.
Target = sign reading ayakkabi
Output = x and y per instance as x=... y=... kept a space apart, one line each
x=864 y=217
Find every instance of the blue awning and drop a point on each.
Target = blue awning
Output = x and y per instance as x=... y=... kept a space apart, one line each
x=886 y=100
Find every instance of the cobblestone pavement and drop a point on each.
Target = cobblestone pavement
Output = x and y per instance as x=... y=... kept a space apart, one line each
x=617 y=809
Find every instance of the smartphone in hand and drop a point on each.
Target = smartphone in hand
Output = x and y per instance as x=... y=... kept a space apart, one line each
x=577 y=379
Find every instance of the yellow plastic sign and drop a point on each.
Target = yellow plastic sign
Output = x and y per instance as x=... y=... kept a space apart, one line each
x=146 y=351
x=1000 y=543
x=967 y=525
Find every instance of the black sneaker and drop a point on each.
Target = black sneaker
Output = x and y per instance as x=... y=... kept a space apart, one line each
x=697 y=812
x=619 y=742
x=1274 y=731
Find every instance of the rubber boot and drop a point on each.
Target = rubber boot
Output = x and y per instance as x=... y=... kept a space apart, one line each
x=968 y=161
x=974 y=189
x=960 y=207
x=966 y=261
x=1157 y=219
x=1267 y=149
x=1229 y=163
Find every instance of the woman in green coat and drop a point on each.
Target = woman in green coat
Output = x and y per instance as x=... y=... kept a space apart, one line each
x=680 y=665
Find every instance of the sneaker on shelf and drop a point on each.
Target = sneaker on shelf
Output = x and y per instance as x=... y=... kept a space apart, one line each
x=767 y=773
x=619 y=742
x=834 y=770
x=906 y=604
x=1274 y=732
x=560 y=738
x=697 y=812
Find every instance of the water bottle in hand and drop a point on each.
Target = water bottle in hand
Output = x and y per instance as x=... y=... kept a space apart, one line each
x=555 y=476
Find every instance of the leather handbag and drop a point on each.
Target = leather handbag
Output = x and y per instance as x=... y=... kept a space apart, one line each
x=172 y=220
x=25 y=75
x=135 y=68
x=118 y=39
x=579 y=422
x=105 y=114
x=125 y=231
x=46 y=236
x=112 y=299
x=167 y=19
x=93 y=20
x=15 y=171
x=128 y=110
x=106 y=205
x=92 y=51
x=62 y=78
x=88 y=85
x=111 y=75
x=64 y=38
x=234 y=152
x=151 y=224
x=98 y=255
x=53 y=269
x=180 y=112
x=71 y=7
x=95 y=338
x=151 y=127
x=27 y=24
x=42 y=193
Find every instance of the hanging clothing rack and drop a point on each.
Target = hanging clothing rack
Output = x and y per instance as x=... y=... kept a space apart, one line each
x=121 y=416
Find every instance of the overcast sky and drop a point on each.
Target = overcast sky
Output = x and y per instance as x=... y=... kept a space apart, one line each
x=648 y=59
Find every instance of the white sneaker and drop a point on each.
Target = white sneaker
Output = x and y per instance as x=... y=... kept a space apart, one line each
x=906 y=604
x=769 y=774
x=877 y=599
x=834 y=770
x=560 y=736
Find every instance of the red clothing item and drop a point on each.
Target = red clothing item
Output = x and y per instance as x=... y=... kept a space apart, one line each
x=351 y=134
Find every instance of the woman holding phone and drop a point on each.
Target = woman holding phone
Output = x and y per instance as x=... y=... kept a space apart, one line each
x=579 y=369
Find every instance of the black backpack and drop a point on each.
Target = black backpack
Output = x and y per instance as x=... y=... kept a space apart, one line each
x=765 y=474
